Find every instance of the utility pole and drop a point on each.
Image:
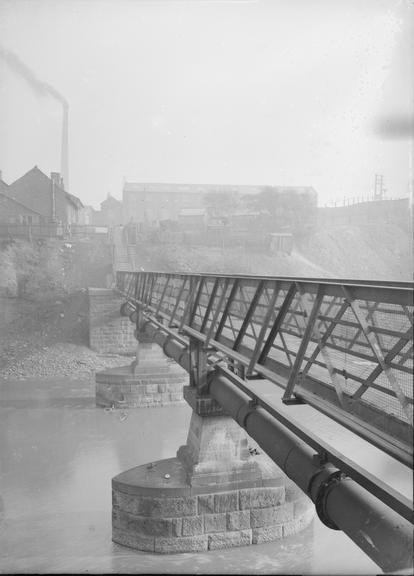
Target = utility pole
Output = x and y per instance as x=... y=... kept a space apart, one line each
x=379 y=190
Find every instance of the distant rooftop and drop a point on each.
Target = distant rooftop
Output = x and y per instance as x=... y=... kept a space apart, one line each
x=192 y=212
x=162 y=187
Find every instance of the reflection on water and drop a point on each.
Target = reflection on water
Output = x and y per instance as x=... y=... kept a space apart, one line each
x=58 y=454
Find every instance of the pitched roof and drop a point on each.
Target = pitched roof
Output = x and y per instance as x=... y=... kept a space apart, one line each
x=74 y=199
x=10 y=199
x=111 y=200
x=35 y=170
x=3 y=186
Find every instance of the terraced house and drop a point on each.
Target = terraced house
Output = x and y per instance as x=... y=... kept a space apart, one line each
x=34 y=198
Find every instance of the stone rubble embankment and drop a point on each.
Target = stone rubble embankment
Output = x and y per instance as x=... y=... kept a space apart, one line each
x=49 y=339
x=61 y=359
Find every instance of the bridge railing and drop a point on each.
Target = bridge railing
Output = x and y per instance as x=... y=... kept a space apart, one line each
x=344 y=347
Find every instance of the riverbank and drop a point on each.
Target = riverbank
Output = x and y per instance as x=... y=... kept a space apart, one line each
x=49 y=339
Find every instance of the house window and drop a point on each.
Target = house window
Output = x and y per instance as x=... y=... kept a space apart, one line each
x=27 y=219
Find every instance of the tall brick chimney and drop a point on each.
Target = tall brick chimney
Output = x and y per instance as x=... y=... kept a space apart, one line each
x=55 y=181
x=64 y=161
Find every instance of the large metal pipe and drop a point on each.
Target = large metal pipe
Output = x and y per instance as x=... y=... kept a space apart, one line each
x=341 y=502
x=379 y=531
x=171 y=348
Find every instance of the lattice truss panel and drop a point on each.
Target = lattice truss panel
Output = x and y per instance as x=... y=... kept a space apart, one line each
x=354 y=341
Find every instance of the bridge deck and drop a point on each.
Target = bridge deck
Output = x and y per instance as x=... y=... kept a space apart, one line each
x=345 y=347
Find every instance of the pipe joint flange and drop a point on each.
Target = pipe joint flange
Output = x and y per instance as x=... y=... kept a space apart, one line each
x=322 y=496
x=126 y=308
x=166 y=342
x=244 y=412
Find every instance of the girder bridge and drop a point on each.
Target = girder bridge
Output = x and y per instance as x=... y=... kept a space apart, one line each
x=343 y=347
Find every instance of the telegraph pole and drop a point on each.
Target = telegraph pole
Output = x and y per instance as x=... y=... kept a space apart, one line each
x=379 y=190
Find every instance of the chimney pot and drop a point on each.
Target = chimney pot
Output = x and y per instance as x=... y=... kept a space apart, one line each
x=55 y=176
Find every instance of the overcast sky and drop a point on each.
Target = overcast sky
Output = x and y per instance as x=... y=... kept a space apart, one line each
x=284 y=92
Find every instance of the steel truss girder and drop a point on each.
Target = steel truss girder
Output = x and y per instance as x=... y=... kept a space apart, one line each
x=241 y=331
x=370 y=370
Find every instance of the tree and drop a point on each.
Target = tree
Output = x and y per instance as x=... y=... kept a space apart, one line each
x=220 y=203
x=290 y=209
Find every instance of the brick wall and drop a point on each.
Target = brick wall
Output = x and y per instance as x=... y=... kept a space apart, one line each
x=109 y=332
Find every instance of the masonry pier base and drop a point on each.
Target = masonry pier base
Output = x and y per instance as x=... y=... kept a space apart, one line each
x=214 y=494
x=150 y=380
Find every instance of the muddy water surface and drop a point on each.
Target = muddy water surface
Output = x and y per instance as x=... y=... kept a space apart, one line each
x=58 y=453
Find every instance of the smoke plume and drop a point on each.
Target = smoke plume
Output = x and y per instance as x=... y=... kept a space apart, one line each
x=41 y=88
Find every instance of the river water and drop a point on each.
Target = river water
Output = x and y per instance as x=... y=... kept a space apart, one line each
x=58 y=453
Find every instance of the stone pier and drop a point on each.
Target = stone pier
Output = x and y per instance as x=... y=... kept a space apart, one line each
x=213 y=494
x=109 y=333
x=150 y=380
x=216 y=492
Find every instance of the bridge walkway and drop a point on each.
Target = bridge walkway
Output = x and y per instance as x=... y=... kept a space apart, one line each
x=343 y=347
x=353 y=343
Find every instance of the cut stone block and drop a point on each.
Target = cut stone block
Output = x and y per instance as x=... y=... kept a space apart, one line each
x=266 y=534
x=238 y=520
x=184 y=544
x=215 y=522
x=193 y=526
x=229 y=539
